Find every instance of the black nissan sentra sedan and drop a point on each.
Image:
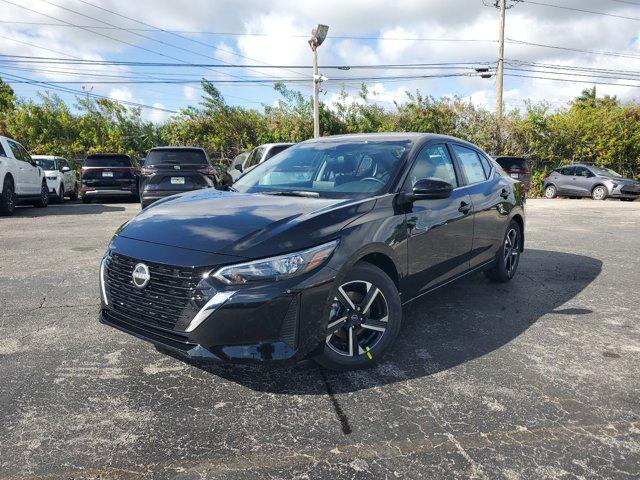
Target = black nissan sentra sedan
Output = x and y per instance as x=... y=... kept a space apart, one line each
x=313 y=253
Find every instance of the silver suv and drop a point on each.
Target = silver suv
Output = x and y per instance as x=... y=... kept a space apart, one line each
x=589 y=181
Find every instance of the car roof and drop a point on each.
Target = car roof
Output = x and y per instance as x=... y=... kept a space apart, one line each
x=177 y=148
x=387 y=136
x=103 y=155
x=47 y=157
x=280 y=144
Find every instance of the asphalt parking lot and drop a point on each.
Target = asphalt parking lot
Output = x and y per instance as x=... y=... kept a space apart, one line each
x=534 y=379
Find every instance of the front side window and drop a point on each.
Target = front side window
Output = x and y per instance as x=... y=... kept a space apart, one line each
x=470 y=163
x=582 y=172
x=433 y=162
x=329 y=169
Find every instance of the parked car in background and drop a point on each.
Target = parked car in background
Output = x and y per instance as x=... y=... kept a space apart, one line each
x=261 y=154
x=313 y=253
x=589 y=181
x=61 y=179
x=108 y=175
x=171 y=170
x=516 y=167
x=22 y=180
x=238 y=161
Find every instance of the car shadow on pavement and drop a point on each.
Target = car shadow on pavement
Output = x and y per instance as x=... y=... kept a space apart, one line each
x=453 y=325
x=67 y=208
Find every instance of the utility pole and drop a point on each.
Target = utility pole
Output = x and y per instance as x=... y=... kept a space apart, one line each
x=318 y=35
x=503 y=7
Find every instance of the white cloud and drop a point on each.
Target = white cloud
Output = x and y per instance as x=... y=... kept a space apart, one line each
x=190 y=93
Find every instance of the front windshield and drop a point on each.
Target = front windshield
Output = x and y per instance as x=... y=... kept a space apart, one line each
x=328 y=169
x=45 y=163
x=606 y=172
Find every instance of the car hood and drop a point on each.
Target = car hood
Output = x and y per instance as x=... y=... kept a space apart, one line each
x=241 y=224
x=622 y=181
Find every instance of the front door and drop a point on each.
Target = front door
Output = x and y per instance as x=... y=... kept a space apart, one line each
x=583 y=179
x=440 y=230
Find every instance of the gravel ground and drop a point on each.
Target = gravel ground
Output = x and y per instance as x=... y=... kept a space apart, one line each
x=534 y=379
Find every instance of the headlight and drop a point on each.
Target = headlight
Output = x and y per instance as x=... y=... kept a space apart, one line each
x=276 y=268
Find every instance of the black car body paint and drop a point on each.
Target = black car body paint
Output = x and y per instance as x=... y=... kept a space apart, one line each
x=420 y=245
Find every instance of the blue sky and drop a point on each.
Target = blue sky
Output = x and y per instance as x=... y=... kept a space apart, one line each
x=402 y=32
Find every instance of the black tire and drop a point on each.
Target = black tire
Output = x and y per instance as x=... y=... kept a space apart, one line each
x=599 y=192
x=43 y=200
x=507 y=256
x=550 y=191
x=86 y=200
x=8 y=198
x=73 y=196
x=377 y=334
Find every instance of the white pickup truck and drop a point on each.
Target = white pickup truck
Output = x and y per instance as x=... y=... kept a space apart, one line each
x=21 y=179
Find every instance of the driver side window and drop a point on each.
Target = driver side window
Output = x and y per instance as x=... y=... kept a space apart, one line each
x=433 y=162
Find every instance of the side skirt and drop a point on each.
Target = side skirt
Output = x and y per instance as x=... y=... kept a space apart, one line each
x=475 y=269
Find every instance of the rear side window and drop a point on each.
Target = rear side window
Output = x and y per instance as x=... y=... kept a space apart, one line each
x=470 y=163
x=2 y=152
x=181 y=156
x=275 y=151
x=107 y=161
x=512 y=163
x=567 y=170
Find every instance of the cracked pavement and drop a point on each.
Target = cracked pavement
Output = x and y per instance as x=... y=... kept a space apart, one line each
x=534 y=379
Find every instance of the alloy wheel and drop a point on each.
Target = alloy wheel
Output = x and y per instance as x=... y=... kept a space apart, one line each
x=358 y=319
x=598 y=193
x=550 y=192
x=511 y=251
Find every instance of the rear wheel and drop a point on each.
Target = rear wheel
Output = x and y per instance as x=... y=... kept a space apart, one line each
x=550 y=191
x=364 y=320
x=74 y=193
x=8 y=198
x=599 y=193
x=43 y=200
x=508 y=256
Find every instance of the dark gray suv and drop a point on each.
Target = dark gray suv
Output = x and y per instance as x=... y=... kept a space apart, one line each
x=589 y=181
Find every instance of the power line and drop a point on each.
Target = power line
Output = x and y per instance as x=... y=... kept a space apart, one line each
x=208 y=45
x=79 y=92
x=557 y=47
x=580 y=10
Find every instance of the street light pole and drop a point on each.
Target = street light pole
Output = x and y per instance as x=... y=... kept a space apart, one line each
x=318 y=35
x=316 y=81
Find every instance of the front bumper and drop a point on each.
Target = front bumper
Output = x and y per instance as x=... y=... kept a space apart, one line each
x=53 y=184
x=282 y=322
x=625 y=191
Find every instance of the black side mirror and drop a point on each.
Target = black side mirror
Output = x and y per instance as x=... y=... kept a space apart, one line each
x=239 y=167
x=590 y=174
x=431 y=188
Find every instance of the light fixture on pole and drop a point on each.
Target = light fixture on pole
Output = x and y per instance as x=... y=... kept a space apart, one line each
x=318 y=35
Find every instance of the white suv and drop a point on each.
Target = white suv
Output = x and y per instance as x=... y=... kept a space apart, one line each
x=61 y=180
x=21 y=180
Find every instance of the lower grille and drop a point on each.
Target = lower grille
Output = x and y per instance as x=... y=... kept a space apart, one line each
x=170 y=296
x=148 y=332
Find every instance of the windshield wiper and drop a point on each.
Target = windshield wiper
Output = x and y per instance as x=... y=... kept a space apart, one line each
x=293 y=193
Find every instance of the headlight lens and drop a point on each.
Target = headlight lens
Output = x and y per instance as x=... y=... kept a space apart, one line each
x=276 y=268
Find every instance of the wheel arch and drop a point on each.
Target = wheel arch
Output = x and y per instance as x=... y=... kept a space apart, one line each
x=9 y=176
x=384 y=263
x=379 y=255
x=600 y=184
x=520 y=220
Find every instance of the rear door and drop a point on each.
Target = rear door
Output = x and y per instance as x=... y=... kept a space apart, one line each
x=440 y=230
x=490 y=195
x=564 y=182
x=176 y=170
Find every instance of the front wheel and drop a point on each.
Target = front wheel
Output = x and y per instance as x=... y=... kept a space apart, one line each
x=550 y=191
x=599 y=193
x=364 y=320
x=508 y=255
x=60 y=197
x=43 y=200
